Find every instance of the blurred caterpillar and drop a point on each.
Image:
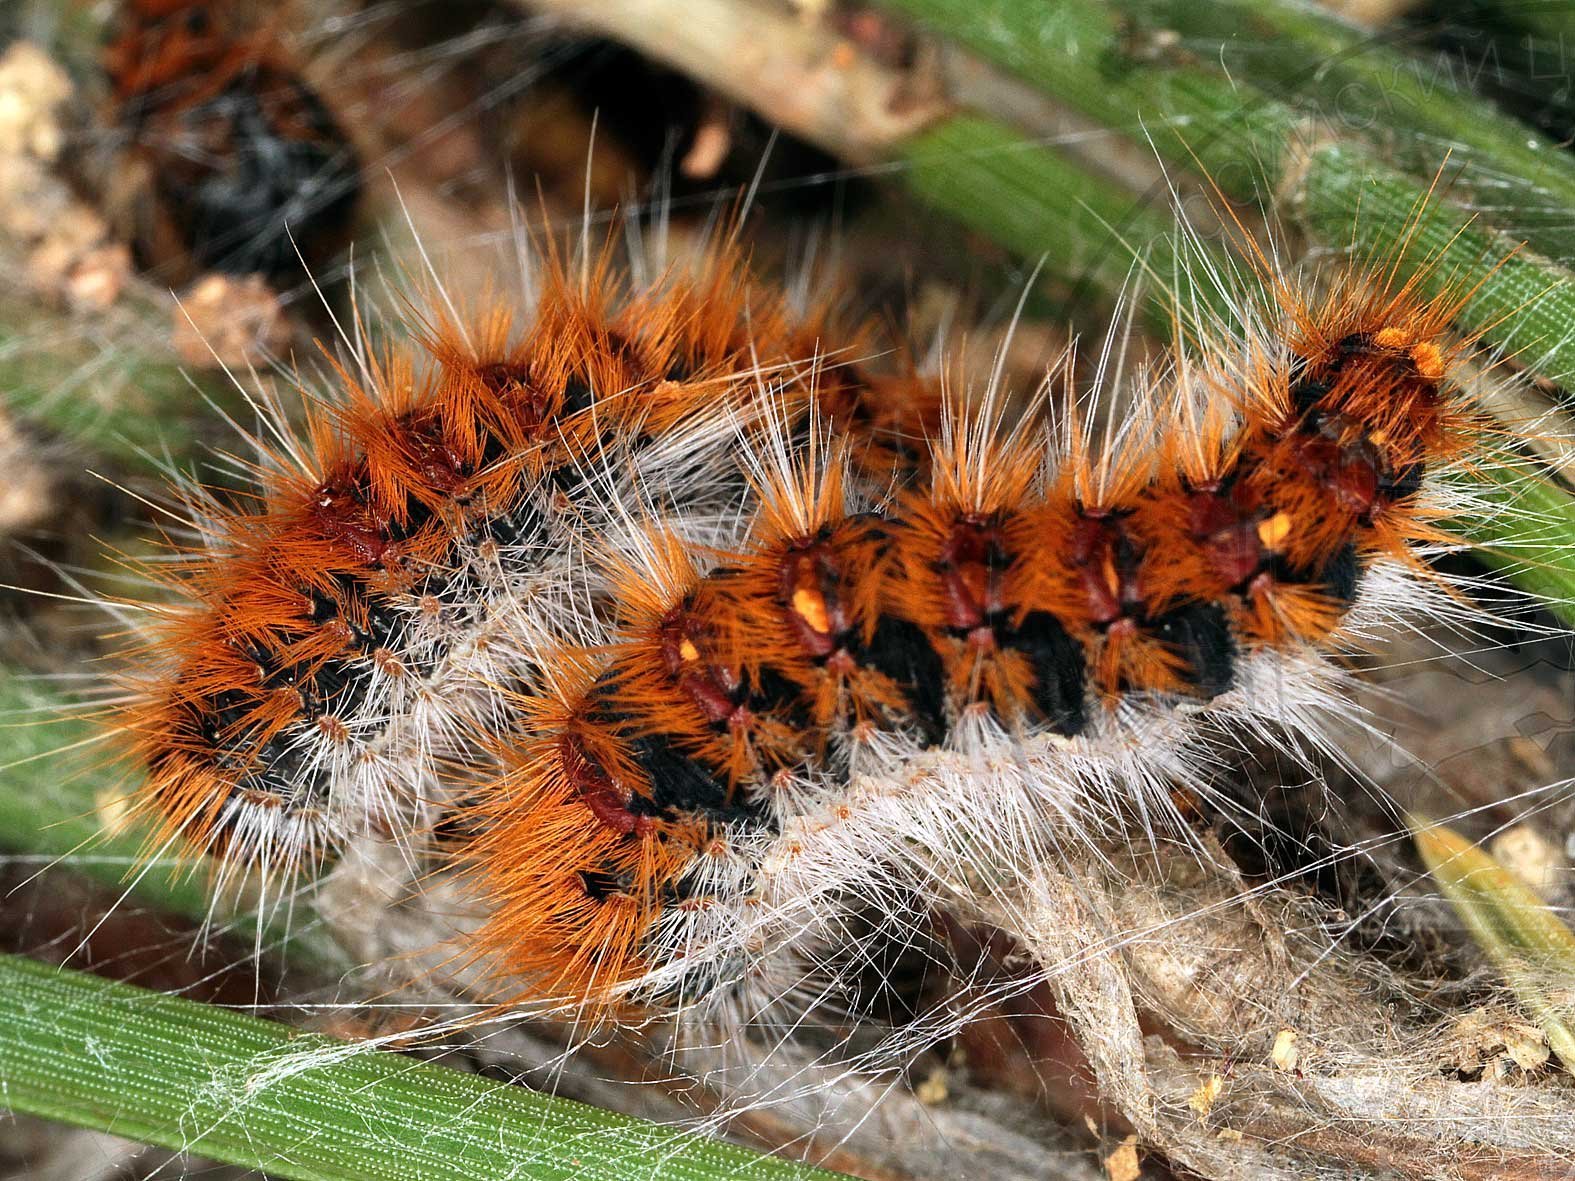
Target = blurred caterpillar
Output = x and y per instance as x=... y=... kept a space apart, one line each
x=248 y=165
x=673 y=641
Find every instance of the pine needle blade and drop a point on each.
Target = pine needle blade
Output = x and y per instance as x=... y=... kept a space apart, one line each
x=307 y=1107
x=1530 y=944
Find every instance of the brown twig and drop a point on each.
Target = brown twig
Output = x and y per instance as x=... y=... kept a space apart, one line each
x=798 y=74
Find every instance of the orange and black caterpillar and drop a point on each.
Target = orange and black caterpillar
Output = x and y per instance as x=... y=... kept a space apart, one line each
x=418 y=546
x=249 y=168
x=665 y=628
x=1031 y=634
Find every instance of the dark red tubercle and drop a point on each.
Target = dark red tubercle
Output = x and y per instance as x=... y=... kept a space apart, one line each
x=339 y=514
x=599 y=793
x=1106 y=557
x=971 y=564
x=1367 y=422
x=439 y=464
x=1223 y=517
x=716 y=691
x=527 y=401
x=1345 y=462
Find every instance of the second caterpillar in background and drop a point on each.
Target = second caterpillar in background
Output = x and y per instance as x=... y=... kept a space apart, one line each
x=249 y=170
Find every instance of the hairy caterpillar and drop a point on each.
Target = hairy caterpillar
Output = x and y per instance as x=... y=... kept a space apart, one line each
x=664 y=643
x=250 y=171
